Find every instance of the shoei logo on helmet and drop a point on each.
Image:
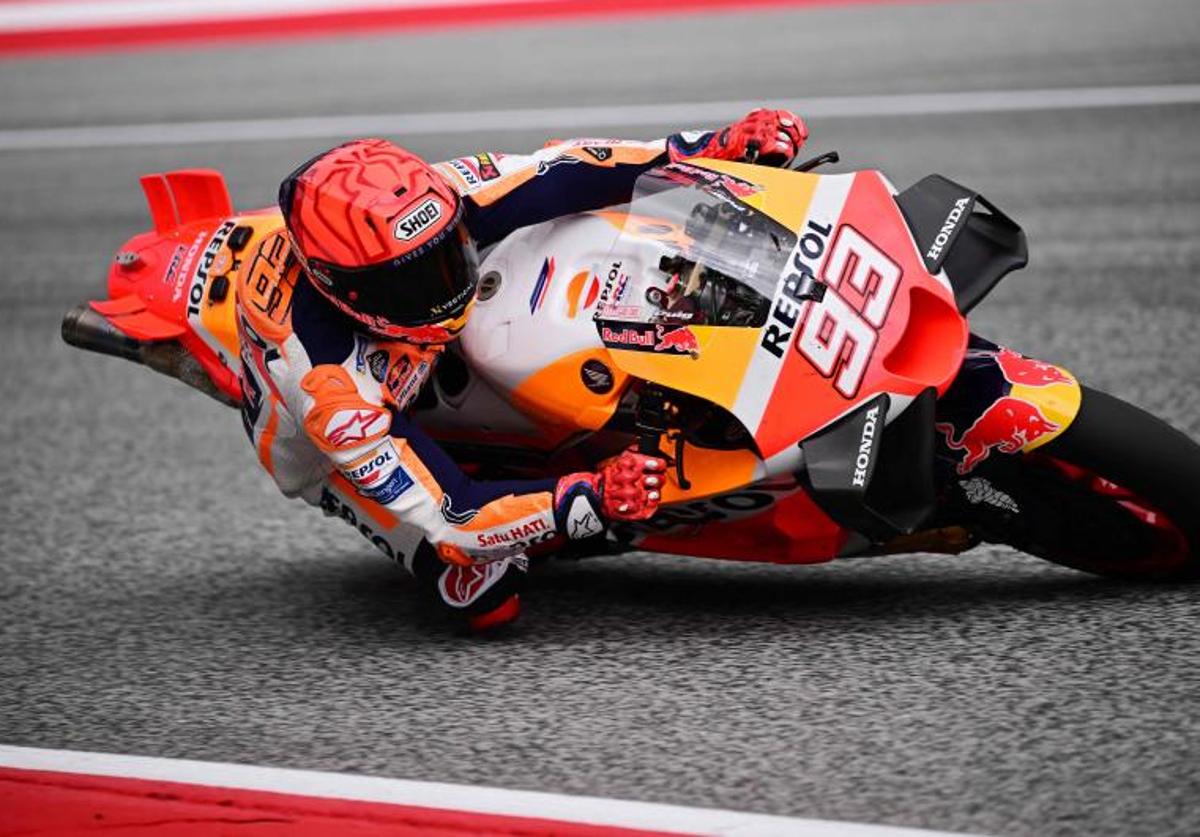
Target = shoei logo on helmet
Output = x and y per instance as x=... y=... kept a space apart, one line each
x=419 y=220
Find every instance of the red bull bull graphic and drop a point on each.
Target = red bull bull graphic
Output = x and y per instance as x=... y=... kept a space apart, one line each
x=1008 y=425
x=681 y=340
x=1018 y=369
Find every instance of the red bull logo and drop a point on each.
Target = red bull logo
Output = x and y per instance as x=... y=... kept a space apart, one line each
x=1008 y=425
x=681 y=340
x=1019 y=369
x=628 y=337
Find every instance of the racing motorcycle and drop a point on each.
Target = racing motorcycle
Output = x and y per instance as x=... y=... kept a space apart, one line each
x=796 y=344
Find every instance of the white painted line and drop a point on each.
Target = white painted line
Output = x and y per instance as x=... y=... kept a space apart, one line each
x=673 y=115
x=40 y=16
x=481 y=800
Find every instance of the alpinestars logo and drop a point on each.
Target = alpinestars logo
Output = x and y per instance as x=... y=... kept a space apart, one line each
x=582 y=520
x=461 y=585
x=866 y=444
x=419 y=220
x=948 y=226
x=348 y=427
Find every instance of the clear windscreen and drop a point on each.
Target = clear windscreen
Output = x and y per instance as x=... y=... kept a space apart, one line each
x=691 y=253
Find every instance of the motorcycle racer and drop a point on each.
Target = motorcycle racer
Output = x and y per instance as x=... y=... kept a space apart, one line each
x=343 y=314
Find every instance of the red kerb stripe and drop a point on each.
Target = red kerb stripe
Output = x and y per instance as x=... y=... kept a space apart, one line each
x=44 y=802
x=320 y=24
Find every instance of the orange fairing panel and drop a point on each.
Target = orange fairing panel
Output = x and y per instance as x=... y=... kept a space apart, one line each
x=714 y=372
x=557 y=395
x=709 y=471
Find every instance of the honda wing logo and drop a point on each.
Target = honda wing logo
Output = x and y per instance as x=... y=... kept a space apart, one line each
x=948 y=227
x=866 y=447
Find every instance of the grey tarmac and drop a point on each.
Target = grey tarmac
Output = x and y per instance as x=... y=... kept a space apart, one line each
x=157 y=596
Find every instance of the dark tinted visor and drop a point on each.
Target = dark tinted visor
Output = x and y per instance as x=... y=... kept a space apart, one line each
x=432 y=285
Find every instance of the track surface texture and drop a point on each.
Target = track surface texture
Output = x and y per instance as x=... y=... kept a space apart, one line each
x=157 y=596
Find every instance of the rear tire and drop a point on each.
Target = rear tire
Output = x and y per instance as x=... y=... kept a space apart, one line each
x=1068 y=511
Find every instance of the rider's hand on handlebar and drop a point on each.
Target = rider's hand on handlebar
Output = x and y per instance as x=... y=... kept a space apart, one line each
x=627 y=487
x=631 y=485
x=763 y=136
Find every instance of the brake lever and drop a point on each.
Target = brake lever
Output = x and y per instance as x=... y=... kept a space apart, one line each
x=828 y=158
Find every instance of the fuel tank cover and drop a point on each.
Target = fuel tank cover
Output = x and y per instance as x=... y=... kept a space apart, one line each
x=489 y=284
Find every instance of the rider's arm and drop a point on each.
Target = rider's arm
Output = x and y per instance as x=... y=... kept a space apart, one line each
x=389 y=460
x=505 y=192
x=392 y=462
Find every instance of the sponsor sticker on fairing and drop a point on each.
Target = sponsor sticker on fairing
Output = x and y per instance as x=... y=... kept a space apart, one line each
x=944 y=235
x=186 y=266
x=542 y=285
x=172 y=273
x=204 y=269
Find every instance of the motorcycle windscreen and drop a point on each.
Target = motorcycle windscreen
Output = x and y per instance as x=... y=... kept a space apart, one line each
x=689 y=281
x=786 y=298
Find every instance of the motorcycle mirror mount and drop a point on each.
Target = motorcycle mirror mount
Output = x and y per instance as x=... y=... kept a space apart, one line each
x=828 y=158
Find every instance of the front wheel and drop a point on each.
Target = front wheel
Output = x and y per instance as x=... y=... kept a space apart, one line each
x=1117 y=494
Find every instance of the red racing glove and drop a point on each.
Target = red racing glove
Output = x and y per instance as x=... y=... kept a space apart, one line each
x=632 y=485
x=764 y=136
x=627 y=487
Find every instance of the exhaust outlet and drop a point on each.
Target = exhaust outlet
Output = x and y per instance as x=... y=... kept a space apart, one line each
x=85 y=328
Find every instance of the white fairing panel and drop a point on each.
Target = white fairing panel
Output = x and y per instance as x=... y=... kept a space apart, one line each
x=532 y=307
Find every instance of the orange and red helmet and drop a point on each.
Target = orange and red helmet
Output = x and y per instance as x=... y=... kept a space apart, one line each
x=381 y=236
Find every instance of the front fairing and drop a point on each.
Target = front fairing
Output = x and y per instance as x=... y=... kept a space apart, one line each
x=782 y=362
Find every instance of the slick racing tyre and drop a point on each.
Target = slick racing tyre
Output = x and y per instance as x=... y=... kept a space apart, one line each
x=1117 y=494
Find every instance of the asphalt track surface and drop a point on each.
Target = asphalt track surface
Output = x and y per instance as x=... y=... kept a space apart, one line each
x=158 y=597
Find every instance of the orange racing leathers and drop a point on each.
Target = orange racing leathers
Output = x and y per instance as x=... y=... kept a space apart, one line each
x=326 y=404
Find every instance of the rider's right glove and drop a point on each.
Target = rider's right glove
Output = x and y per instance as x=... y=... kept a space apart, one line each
x=627 y=487
x=764 y=136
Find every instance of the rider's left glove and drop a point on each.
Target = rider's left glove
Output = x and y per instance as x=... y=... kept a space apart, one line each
x=627 y=487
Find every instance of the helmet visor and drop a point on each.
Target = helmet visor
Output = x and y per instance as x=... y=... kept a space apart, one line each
x=433 y=284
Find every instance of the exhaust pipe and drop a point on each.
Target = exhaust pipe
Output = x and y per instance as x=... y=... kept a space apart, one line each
x=85 y=328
